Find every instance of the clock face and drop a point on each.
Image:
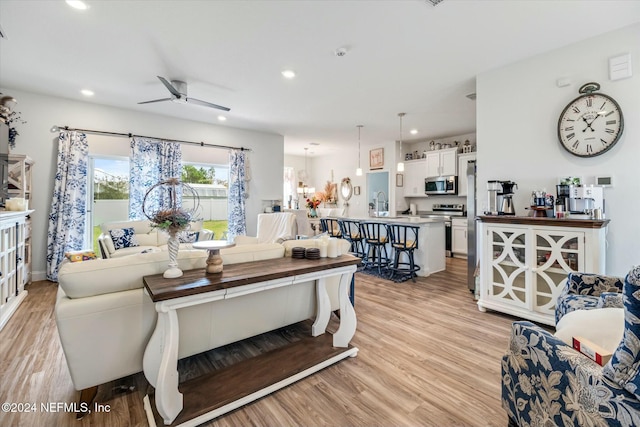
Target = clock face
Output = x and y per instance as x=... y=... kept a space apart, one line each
x=590 y=125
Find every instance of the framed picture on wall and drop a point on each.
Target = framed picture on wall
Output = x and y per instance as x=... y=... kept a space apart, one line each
x=399 y=180
x=376 y=158
x=356 y=190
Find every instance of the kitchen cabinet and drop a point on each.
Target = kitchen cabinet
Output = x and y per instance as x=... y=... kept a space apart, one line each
x=524 y=263
x=442 y=162
x=414 y=175
x=462 y=172
x=459 y=236
x=12 y=262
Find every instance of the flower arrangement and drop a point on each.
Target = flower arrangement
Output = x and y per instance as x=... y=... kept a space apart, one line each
x=171 y=220
x=10 y=117
x=313 y=203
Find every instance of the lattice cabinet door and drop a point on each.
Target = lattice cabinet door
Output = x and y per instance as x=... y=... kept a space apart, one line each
x=557 y=252
x=507 y=273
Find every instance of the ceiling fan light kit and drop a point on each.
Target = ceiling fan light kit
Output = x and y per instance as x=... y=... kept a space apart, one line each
x=178 y=90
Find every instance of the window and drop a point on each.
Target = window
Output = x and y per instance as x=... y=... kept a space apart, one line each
x=211 y=182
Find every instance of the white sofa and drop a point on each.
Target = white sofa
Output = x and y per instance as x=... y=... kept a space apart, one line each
x=272 y=228
x=105 y=319
x=149 y=239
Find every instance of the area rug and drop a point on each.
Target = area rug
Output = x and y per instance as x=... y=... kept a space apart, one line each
x=384 y=274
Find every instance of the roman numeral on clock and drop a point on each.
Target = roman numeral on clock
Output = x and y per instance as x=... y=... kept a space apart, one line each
x=589 y=102
x=576 y=109
x=611 y=122
x=609 y=130
x=603 y=141
x=569 y=128
x=575 y=144
x=589 y=149
x=570 y=136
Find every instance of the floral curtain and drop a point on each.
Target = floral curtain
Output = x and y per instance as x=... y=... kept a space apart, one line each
x=68 y=205
x=237 y=194
x=151 y=161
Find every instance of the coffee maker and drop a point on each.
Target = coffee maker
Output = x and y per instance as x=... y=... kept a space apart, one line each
x=505 y=198
x=563 y=193
x=493 y=188
x=587 y=201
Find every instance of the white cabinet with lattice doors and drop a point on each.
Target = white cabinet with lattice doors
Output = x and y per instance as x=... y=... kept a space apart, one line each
x=12 y=263
x=524 y=267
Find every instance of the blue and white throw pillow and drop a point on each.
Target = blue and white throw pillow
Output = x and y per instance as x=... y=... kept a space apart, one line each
x=123 y=238
x=188 y=236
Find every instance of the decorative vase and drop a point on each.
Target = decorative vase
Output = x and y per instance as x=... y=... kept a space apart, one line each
x=173 y=271
x=313 y=213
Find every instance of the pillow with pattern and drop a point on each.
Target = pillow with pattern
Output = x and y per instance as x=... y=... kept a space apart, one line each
x=123 y=238
x=624 y=367
x=77 y=256
x=188 y=236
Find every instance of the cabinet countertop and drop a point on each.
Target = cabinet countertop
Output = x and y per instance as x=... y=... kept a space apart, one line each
x=553 y=222
x=411 y=220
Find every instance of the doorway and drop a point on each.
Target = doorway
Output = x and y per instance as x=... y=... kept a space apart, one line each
x=378 y=193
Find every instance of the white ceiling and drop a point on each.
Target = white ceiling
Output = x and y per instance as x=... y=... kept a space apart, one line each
x=403 y=56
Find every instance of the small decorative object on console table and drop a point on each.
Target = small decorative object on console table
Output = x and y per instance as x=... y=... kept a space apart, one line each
x=214 y=260
x=165 y=211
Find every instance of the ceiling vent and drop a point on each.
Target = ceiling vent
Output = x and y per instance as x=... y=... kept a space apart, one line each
x=434 y=2
x=471 y=96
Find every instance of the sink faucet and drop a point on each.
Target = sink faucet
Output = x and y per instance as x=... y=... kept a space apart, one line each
x=377 y=201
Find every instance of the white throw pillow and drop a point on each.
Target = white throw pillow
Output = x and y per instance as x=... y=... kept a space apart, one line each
x=602 y=326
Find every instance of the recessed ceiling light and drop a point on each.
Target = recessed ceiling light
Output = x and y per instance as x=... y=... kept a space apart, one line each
x=77 y=4
x=87 y=92
x=314 y=143
x=289 y=74
x=222 y=118
x=413 y=131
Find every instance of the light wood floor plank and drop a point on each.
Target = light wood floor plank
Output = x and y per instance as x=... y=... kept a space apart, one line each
x=427 y=357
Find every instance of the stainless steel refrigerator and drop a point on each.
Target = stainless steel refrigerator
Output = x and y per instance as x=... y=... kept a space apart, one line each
x=472 y=256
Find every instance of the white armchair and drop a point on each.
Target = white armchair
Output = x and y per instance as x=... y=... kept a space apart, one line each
x=272 y=228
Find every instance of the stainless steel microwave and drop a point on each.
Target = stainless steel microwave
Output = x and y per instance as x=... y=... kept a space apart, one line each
x=441 y=185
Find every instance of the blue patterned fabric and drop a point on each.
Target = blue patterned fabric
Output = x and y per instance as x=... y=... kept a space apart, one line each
x=123 y=238
x=151 y=161
x=624 y=366
x=188 y=236
x=583 y=291
x=237 y=195
x=547 y=383
x=66 y=231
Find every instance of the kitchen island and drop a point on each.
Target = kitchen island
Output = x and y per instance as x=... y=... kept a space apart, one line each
x=430 y=255
x=524 y=261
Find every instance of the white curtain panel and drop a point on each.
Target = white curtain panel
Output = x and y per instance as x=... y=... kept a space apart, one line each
x=68 y=204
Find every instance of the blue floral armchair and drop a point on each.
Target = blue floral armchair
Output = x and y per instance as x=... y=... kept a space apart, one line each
x=584 y=291
x=547 y=383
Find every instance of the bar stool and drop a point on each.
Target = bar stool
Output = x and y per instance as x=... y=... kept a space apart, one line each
x=330 y=226
x=375 y=237
x=404 y=240
x=350 y=230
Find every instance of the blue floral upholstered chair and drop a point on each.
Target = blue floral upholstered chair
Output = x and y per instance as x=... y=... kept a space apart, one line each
x=545 y=382
x=584 y=291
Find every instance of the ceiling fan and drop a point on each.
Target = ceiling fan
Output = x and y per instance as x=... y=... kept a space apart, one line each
x=178 y=91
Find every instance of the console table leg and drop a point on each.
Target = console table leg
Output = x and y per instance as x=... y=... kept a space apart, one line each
x=168 y=398
x=323 y=309
x=347 y=314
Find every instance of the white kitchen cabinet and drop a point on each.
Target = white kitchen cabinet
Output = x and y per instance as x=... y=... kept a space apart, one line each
x=525 y=262
x=442 y=162
x=414 y=175
x=12 y=263
x=459 y=236
x=462 y=172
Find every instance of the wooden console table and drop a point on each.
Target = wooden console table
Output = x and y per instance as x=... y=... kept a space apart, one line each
x=195 y=287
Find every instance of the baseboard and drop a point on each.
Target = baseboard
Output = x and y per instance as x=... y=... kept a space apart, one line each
x=38 y=275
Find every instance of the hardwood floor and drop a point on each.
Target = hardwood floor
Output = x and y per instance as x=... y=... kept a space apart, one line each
x=426 y=357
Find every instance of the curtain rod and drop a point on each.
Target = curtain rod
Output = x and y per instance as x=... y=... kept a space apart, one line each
x=130 y=135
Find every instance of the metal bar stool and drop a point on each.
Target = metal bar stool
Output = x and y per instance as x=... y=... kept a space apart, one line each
x=375 y=237
x=350 y=230
x=330 y=226
x=404 y=240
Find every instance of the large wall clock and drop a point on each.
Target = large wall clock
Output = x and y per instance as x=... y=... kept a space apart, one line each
x=591 y=124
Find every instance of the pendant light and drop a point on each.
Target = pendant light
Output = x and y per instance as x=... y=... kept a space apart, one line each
x=359 y=170
x=400 y=163
x=303 y=188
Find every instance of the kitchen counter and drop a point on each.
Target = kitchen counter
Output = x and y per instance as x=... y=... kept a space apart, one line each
x=431 y=253
x=538 y=221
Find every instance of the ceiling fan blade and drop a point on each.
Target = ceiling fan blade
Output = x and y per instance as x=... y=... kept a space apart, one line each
x=206 y=104
x=169 y=86
x=155 y=100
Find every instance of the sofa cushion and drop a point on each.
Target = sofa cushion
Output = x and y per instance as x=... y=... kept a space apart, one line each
x=251 y=252
x=104 y=276
x=624 y=366
x=188 y=236
x=123 y=238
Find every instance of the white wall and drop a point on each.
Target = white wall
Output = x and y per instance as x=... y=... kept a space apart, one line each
x=36 y=140
x=517 y=114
